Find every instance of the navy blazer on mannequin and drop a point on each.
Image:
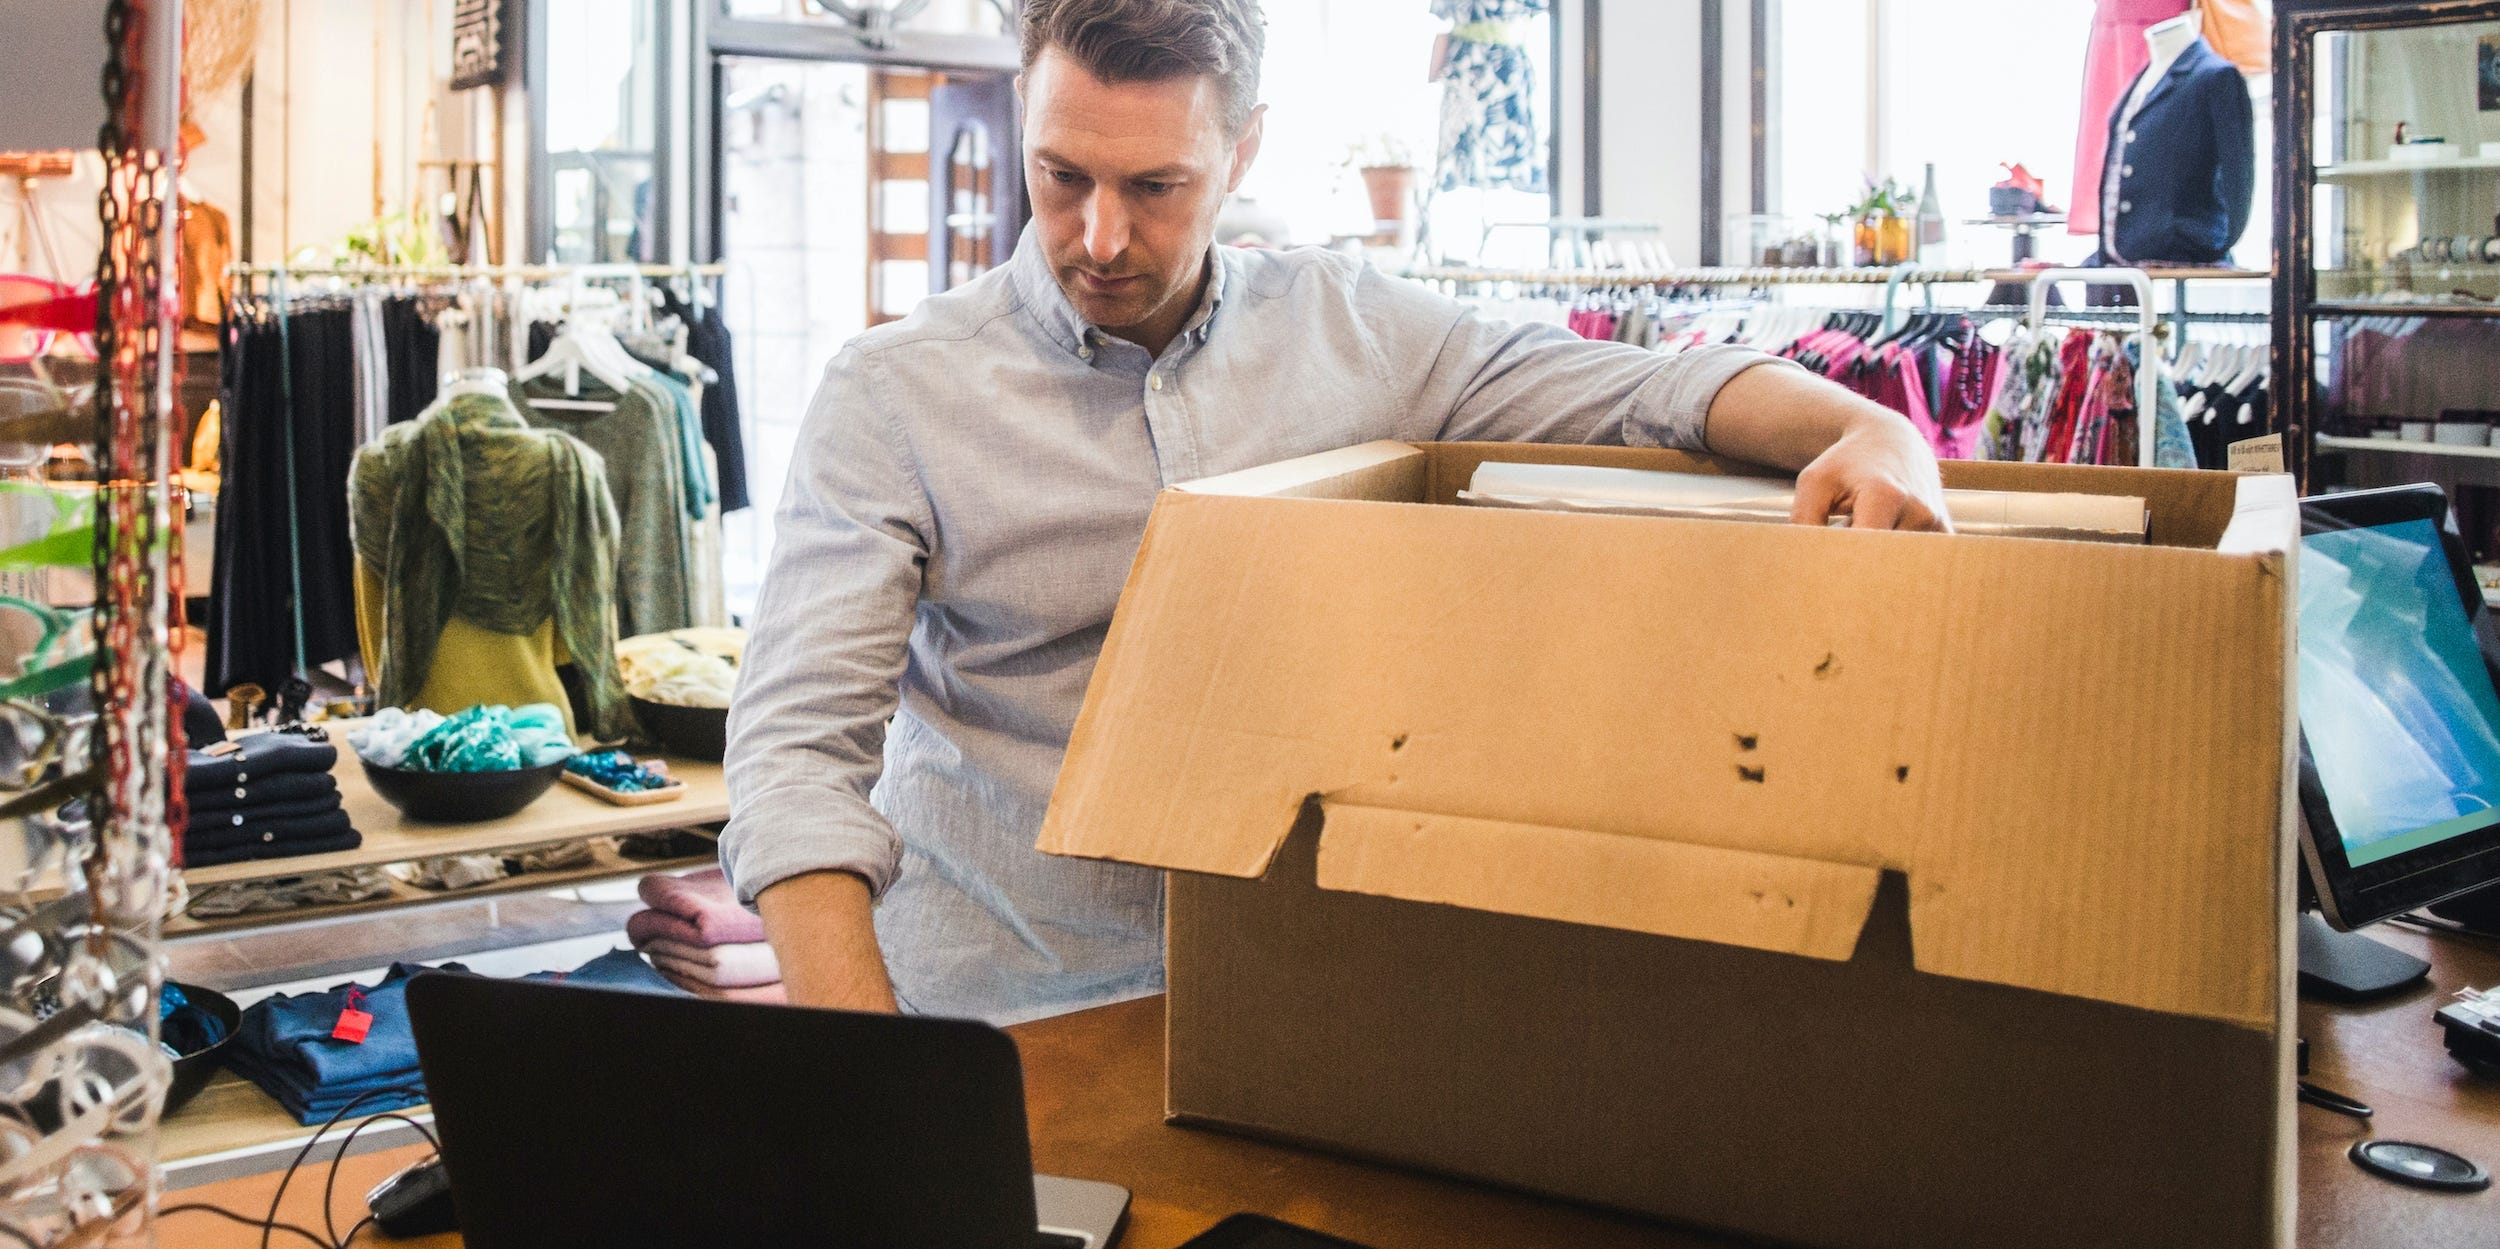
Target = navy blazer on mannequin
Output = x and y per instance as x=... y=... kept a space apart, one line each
x=2187 y=167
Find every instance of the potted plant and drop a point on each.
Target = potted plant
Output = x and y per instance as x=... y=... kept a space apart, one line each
x=1388 y=168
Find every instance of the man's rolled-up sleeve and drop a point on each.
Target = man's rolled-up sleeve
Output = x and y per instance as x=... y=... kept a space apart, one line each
x=819 y=679
x=1502 y=382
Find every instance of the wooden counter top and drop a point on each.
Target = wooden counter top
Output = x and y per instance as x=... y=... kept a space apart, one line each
x=1094 y=1091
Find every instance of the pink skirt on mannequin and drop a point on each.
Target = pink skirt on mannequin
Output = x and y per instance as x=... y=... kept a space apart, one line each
x=2118 y=54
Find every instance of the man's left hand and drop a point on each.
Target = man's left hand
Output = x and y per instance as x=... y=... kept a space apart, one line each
x=1859 y=459
x=1880 y=474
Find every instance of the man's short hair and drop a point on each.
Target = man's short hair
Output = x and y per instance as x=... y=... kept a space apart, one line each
x=1151 y=40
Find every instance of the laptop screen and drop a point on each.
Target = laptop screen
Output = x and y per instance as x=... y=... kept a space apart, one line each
x=2402 y=721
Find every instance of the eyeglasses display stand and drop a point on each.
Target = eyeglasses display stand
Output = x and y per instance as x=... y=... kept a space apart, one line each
x=86 y=857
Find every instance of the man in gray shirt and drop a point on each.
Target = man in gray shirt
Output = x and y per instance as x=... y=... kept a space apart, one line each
x=971 y=486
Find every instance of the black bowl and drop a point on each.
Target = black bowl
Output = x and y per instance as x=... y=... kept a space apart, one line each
x=686 y=732
x=191 y=1071
x=460 y=797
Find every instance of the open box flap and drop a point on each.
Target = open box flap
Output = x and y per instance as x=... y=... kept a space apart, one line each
x=1671 y=889
x=1951 y=708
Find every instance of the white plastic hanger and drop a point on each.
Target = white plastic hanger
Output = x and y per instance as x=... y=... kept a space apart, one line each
x=2191 y=362
x=2253 y=365
x=585 y=346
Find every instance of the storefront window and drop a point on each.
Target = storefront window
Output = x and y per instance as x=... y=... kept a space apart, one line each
x=602 y=128
x=1333 y=108
x=1857 y=97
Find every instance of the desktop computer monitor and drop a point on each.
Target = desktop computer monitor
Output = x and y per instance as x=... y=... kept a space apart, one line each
x=2400 y=728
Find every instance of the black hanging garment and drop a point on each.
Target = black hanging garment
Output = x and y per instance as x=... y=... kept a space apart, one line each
x=707 y=339
x=262 y=542
x=415 y=347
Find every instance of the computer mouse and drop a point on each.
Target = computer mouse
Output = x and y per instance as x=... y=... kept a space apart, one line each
x=414 y=1202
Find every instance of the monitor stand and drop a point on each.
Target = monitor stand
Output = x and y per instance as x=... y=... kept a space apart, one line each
x=2348 y=967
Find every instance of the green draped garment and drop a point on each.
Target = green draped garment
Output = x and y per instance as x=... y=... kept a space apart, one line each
x=469 y=512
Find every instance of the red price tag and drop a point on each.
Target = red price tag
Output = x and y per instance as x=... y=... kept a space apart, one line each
x=353 y=1024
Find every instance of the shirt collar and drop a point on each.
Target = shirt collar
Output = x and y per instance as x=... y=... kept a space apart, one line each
x=1039 y=290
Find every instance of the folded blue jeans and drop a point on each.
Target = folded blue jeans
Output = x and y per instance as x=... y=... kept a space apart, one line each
x=285 y=1044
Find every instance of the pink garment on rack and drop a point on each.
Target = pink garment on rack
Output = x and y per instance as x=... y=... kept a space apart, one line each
x=1841 y=353
x=1897 y=385
x=2117 y=55
x=2069 y=418
x=1962 y=409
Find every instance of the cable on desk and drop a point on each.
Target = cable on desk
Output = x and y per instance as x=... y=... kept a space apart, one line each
x=269 y=1224
x=329 y=1187
x=202 y=1207
x=2422 y=922
x=2329 y=1099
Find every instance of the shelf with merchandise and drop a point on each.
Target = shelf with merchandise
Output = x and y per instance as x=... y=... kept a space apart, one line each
x=2346 y=308
x=2356 y=169
x=2401 y=446
x=2407 y=181
x=2387 y=223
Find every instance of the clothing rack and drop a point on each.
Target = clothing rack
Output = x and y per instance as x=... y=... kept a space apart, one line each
x=323 y=358
x=446 y=273
x=1892 y=279
x=1893 y=276
x=2148 y=319
x=240 y=278
x=2145 y=316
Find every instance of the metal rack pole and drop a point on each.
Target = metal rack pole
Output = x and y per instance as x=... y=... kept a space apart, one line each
x=1595 y=278
x=465 y=273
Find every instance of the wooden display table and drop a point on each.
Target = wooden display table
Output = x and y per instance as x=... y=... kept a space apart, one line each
x=233 y=1128
x=1094 y=1089
x=561 y=816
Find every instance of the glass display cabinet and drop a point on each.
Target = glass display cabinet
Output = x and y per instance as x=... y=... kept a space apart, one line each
x=2388 y=242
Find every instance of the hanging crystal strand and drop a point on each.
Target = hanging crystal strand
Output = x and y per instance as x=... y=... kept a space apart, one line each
x=78 y=1005
x=107 y=1188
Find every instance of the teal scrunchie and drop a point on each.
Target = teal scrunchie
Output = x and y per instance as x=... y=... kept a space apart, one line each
x=615 y=770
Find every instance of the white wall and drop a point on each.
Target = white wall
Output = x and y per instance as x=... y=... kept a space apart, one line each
x=1649 y=127
x=343 y=111
x=1570 y=138
x=56 y=57
x=1736 y=125
x=332 y=93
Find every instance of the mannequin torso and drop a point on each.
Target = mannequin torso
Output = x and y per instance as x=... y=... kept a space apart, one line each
x=2166 y=40
x=2179 y=177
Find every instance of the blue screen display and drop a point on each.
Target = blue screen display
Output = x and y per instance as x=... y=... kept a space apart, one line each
x=2402 y=722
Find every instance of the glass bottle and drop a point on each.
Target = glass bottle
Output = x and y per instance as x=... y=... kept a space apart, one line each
x=1930 y=219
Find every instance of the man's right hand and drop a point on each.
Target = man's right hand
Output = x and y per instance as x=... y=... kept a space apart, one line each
x=820 y=930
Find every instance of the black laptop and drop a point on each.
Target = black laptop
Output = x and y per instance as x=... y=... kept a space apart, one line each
x=596 y=1117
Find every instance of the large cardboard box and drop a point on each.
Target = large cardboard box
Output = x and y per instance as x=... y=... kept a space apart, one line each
x=1827 y=887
